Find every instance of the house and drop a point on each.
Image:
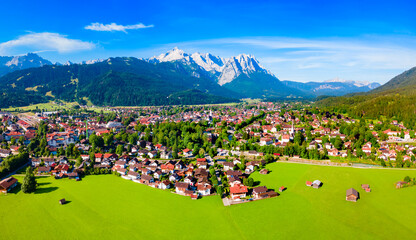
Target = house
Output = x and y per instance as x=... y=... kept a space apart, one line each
x=234 y=181
x=35 y=162
x=236 y=161
x=228 y=166
x=98 y=157
x=282 y=188
x=48 y=162
x=44 y=169
x=401 y=184
x=158 y=174
x=333 y=152
x=166 y=155
x=309 y=183
x=203 y=188
x=201 y=173
x=133 y=175
x=7 y=184
x=110 y=156
x=165 y=184
x=152 y=154
x=5 y=153
x=202 y=165
x=121 y=171
x=73 y=175
x=179 y=165
x=181 y=187
x=231 y=173
x=121 y=164
x=189 y=180
x=249 y=169
x=265 y=141
x=174 y=177
x=168 y=167
x=259 y=190
x=187 y=152
x=316 y=184
x=146 y=179
x=268 y=194
x=352 y=195
x=238 y=192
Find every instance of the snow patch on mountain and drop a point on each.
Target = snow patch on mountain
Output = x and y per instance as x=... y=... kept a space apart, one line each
x=355 y=83
x=227 y=69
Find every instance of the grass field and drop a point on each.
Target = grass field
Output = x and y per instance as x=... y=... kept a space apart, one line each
x=109 y=207
x=49 y=106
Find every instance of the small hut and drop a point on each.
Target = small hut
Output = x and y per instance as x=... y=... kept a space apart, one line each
x=366 y=187
x=316 y=184
x=282 y=188
x=264 y=171
x=352 y=195
x=401 y=184
x=62 y=201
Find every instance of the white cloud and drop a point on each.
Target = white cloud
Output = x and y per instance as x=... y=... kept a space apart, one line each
x=115 y=27
x=45 y=41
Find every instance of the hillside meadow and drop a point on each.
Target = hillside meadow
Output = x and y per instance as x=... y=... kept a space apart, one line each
x=109 y=207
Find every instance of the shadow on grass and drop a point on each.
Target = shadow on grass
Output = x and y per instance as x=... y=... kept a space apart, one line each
x=44 y=183
x=16 y=189
x=256 y=183
x=37 y=177
x=45 y=190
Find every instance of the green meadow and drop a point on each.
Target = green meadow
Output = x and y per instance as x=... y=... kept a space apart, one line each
x=109 y=207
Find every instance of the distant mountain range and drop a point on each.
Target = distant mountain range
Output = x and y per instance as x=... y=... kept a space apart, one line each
x=174 y=77
x=333 y=87
x=395 y=99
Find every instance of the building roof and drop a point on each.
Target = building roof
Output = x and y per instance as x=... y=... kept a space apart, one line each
x=260 y=189
x=8 y=182
x=352 y=191
x=238 y=189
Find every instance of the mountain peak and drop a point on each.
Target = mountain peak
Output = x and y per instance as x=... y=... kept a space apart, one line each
x=225 y=69
x=172 y=55
x=29 y=60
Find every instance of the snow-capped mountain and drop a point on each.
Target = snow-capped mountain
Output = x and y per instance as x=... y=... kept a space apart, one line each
x=225 y=70
x=67 y=63
x=370 y=85
x=209 y=62
x=12 y=63
x=242 y=64
x=92 y=61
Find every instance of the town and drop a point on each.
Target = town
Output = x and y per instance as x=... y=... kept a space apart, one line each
x=198 y=151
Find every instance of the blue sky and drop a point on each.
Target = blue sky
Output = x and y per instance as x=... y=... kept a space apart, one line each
x=296 y=40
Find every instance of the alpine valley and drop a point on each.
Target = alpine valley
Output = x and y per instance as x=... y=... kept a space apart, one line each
x=168 y=79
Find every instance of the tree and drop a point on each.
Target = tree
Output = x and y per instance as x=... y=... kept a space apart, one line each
x=79 y=161
x=407 y=179
x=29 y=182
x=220 y=191
x=250 y=182
x=21 y=140
x=120 y=149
